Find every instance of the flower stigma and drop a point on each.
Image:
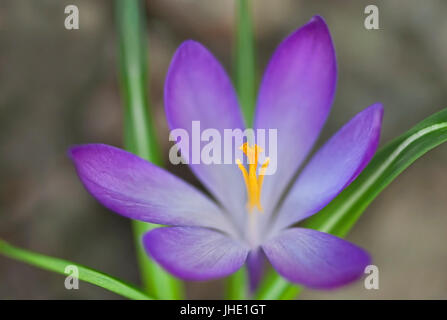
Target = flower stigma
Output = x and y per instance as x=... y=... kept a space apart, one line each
x=253 y=183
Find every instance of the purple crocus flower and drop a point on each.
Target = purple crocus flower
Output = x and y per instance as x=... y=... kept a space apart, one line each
x=210 y=238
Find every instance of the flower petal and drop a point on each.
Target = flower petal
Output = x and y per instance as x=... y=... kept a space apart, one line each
x=137 y=189
x=198 y=89
x=315 y=259
x=333 y=167
x=255 y=267
x=295 y=98
x=195 y=253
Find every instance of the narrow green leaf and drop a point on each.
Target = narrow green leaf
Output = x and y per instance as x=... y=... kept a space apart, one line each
x=245 y=61
x=139 y=130
x=86 y=274
x=343 y=212
x=273 y=287
x=236 y=286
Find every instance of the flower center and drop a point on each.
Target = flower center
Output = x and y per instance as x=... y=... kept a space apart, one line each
x=253 y=183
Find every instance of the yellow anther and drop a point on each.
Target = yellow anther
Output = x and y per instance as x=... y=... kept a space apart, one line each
x=252 y=182
x=262 y=172
x=244 y=171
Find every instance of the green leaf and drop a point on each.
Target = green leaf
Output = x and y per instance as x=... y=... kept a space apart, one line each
x=86 y=274
x=245 y=61
x=139 y=133
x=236 y=286
x=274 y=287
x=343 y=212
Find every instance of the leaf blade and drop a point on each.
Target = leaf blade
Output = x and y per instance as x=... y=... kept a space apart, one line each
x=339 y=216
x=85 y=273
x=236 y=284
x=139 y=131
x=245 y=71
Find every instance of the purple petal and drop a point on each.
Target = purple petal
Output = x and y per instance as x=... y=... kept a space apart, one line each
x=255 y=267
x=333 y=167
x=137 y=189
x=315 y=259
x=295 y=98
x=195 y=253
x=198 y=89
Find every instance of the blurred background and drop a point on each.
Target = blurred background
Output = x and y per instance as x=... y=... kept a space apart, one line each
x=60 y=87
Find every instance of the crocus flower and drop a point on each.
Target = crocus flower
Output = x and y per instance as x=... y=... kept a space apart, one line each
x=208 y=238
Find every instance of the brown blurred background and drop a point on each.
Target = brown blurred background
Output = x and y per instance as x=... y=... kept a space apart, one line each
x=59 y=87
